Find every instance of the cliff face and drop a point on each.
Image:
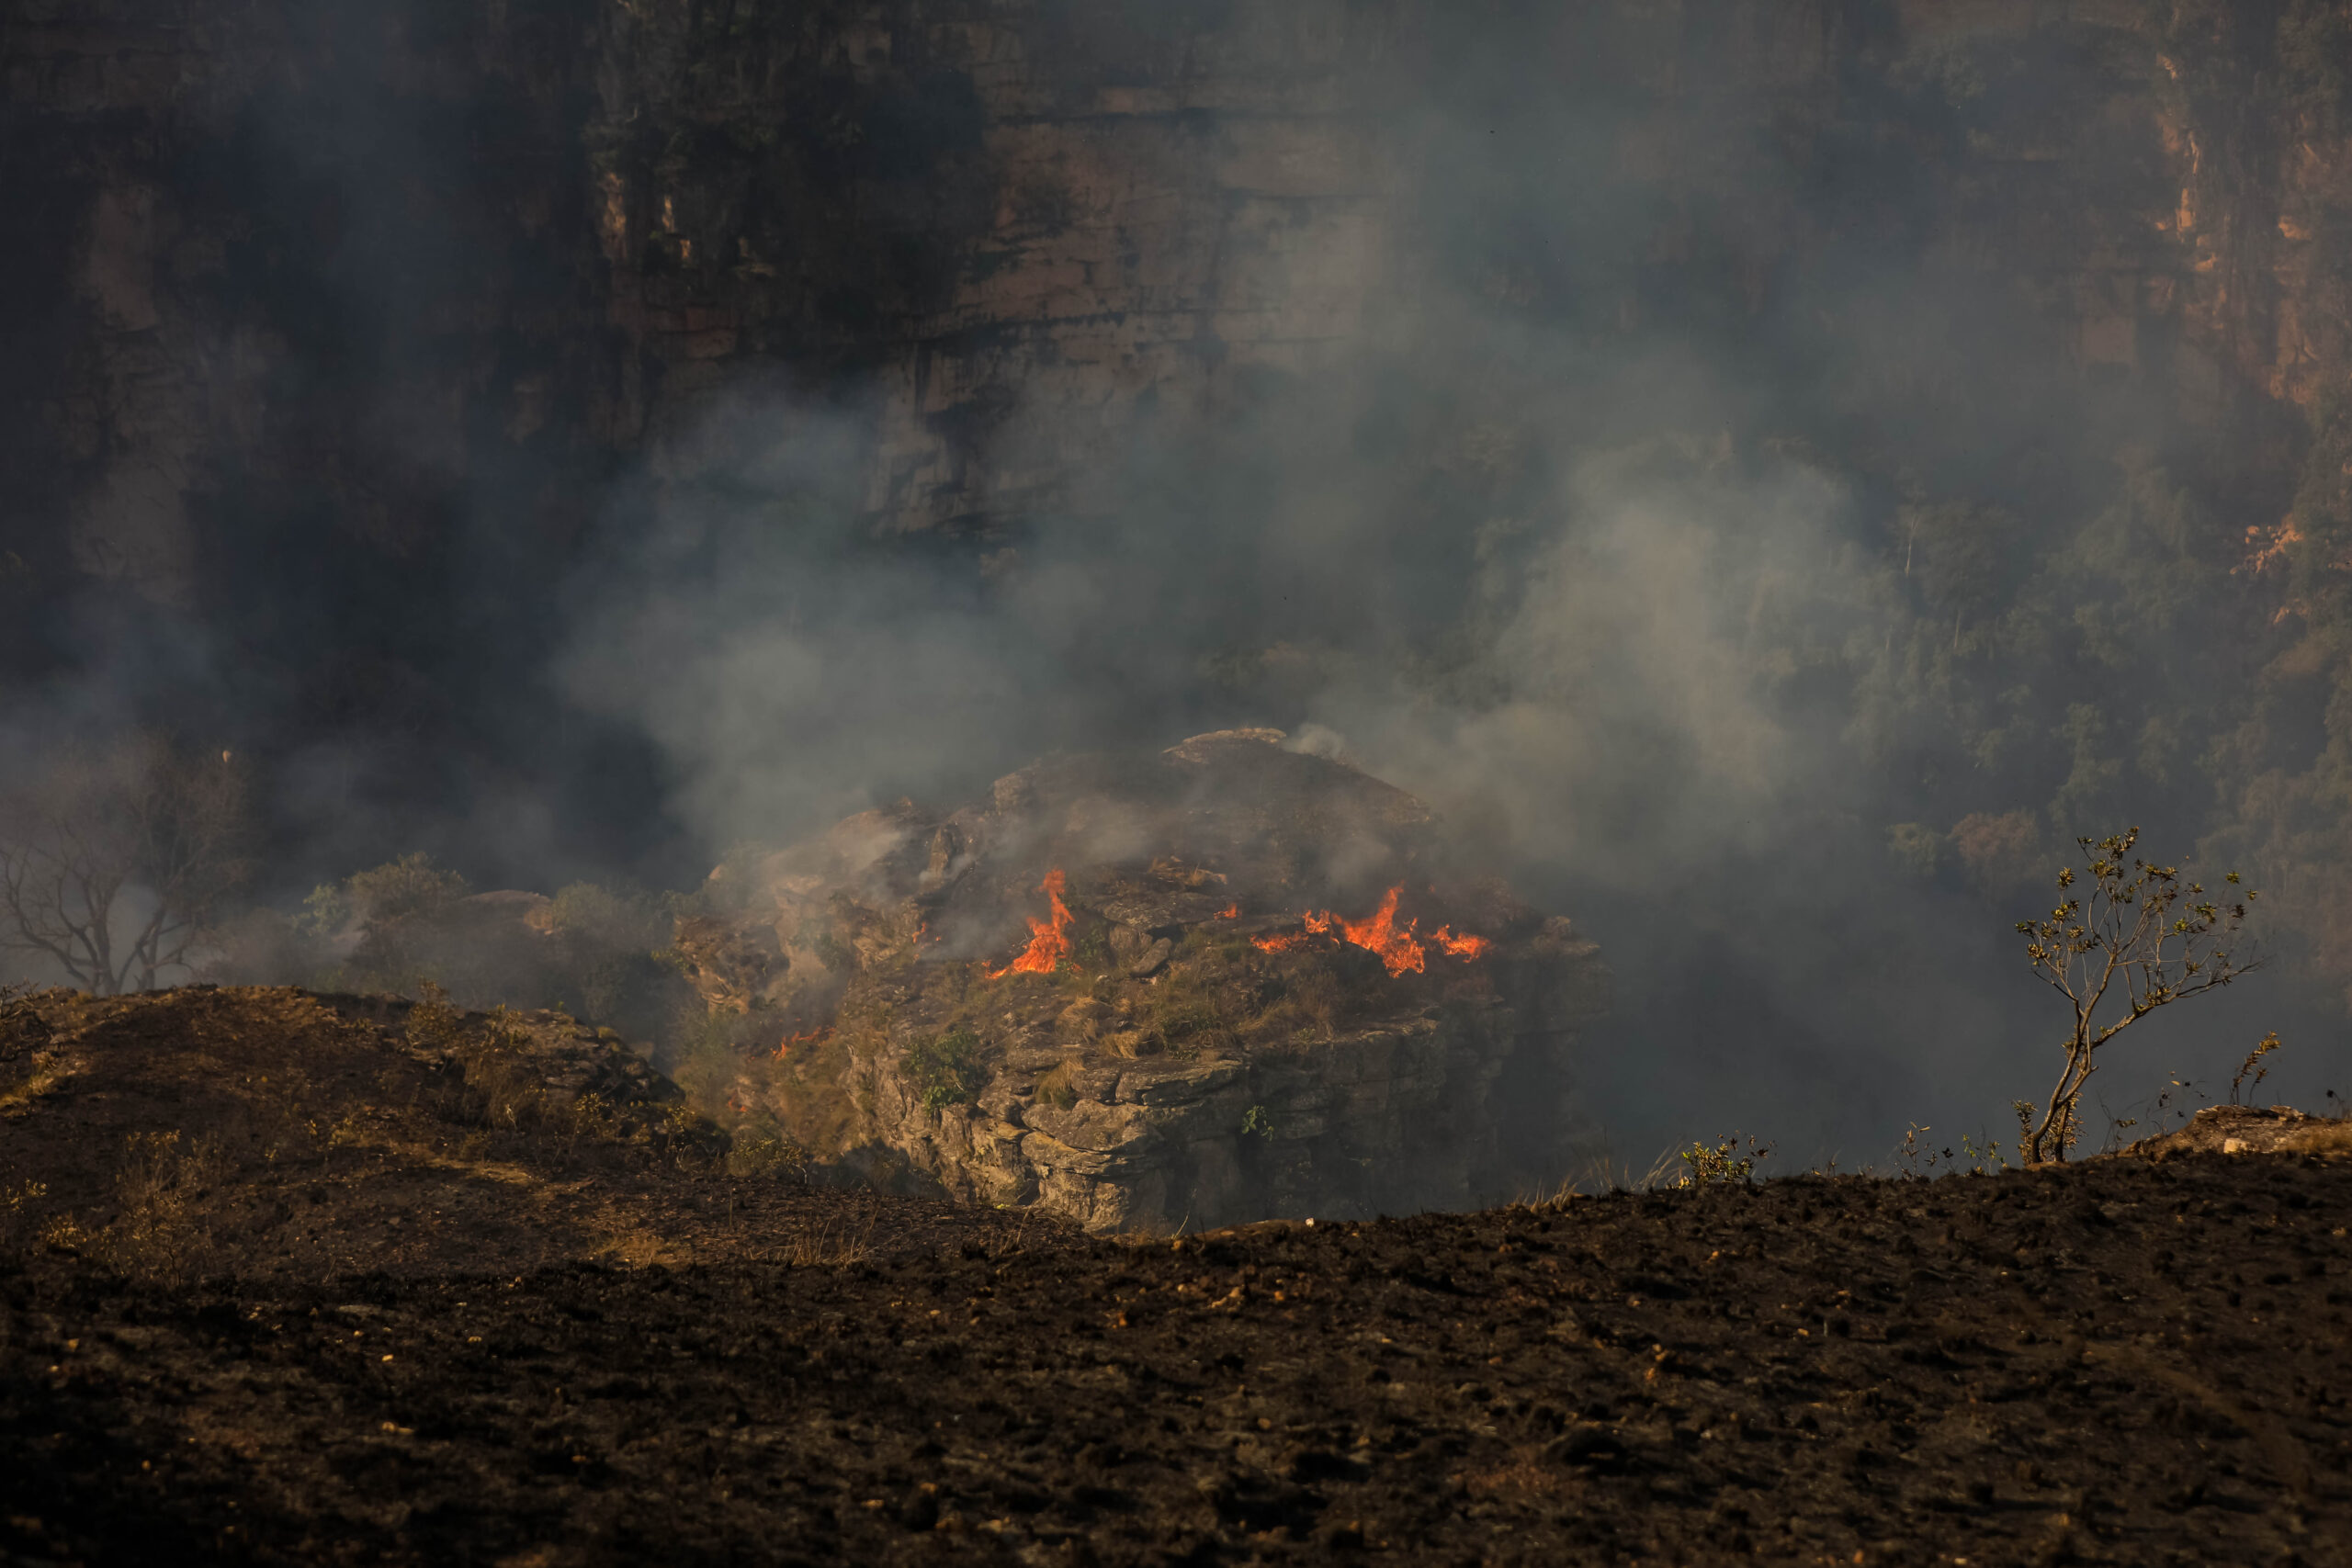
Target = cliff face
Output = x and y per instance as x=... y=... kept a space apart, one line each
x=408 y=264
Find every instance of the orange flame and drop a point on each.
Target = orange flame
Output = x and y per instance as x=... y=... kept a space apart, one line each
x=1231 y=912
x=814 y=1037
x=1379 y=936
x=1464 y=947
x=1401 y=951
x=1283 y=944
x=1048 y=938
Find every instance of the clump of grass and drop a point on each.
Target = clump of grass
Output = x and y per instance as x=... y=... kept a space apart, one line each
x=1184 y=1012
x=159 y=1234
x=1055 y=1088
x=1307 y=1004
x=835 y=1244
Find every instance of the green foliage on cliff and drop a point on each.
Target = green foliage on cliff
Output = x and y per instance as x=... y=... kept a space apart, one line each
x=946 y=1069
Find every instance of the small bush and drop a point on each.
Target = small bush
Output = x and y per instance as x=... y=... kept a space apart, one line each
x=500 y=1076
x=766 y=1152
x=433 y=1022
x=1705 y=1167
x=947 y=1070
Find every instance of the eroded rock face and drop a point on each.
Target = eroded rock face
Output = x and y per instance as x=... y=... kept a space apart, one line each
x=1181 y=1050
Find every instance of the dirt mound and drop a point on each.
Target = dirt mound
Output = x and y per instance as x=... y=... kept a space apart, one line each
x=278 y=1134
x=1212 y=983
x=2119 y=1363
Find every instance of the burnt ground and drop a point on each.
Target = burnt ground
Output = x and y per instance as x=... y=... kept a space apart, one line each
x=2129 y=1361
x=271 y=1133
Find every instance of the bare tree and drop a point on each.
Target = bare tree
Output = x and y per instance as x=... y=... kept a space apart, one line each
x=2139 y=941
x=114 y=860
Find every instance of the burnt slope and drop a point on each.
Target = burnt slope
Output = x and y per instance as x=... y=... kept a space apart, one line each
x=271 y=1133
x=2125 y=1362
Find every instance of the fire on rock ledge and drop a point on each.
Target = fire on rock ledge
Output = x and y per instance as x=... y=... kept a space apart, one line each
x=1225 y=982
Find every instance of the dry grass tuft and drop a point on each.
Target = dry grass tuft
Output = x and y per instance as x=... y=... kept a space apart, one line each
x=159 y=1232
x=835 y=1244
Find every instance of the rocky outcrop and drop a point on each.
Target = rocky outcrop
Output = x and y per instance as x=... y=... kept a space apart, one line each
x=1104 y=994
x=2248 y=1129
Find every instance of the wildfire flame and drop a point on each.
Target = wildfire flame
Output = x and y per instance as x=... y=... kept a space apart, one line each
x=1280 y=943
x=814 y=1037
x=1048 y=938
x=1402 y=951
x=1464 y=947
x=1379 y=936
x=1231 y=912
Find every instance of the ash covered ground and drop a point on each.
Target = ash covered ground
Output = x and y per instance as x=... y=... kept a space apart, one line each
x=595 y=1343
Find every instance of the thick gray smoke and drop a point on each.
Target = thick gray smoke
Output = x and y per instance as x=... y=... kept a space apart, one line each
x=1656 y=480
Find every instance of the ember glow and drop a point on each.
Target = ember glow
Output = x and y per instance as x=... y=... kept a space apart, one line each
x=1402 y=951
x=1048 y=938
x=1231 y=912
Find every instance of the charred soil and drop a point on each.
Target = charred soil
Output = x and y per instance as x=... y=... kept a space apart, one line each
x=2129 y=1361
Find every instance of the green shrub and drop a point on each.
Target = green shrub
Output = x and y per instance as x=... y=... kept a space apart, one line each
x=1705 y=1166
x=763 y=1151
x=947 y=1070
